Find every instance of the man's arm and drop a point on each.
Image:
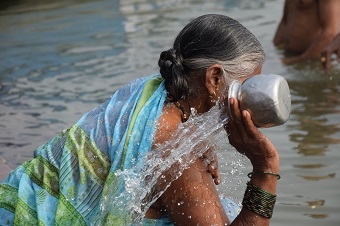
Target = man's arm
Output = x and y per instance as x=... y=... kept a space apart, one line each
x=329 y=16
x=279 y=35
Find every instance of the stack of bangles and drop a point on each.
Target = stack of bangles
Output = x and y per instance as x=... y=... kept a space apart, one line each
x=258 y=200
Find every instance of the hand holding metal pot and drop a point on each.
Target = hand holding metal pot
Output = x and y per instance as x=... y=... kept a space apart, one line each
x=266 y=97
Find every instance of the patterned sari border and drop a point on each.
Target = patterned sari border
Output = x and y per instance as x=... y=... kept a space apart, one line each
x=44 y=174
x=90 y=158
x=73 y=216
x=8 y=197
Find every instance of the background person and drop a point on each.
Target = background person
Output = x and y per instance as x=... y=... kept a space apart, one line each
x=307 y=26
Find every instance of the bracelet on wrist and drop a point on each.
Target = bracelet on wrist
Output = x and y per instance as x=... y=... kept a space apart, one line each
x=264 y=172
x=259 y=201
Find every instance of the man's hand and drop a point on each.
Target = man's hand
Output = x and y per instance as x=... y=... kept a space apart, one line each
x=326 y=54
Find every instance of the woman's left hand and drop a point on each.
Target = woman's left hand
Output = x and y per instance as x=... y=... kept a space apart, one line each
x=211 y=160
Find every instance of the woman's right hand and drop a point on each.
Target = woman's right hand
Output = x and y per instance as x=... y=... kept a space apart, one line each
x=248 y=140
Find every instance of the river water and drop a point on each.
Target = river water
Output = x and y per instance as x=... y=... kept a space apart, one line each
x=60 y=59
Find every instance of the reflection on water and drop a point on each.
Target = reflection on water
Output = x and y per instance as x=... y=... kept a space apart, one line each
x=315 y=130
x=317 y=216
x=317 y=108
x=314 y=204
x=59 y=59
x=332 y=175
x=310 y=166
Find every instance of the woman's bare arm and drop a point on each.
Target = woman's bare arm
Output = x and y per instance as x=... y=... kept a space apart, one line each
x=248 y=140
x=192 y=199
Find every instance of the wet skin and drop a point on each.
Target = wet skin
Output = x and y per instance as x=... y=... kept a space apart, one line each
x=195 y=187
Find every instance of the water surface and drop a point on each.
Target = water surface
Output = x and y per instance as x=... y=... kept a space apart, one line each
x=60 y=59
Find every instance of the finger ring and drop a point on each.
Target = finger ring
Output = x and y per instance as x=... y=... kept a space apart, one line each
x=323 y=59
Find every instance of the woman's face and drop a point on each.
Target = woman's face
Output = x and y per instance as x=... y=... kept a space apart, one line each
x=241 y=79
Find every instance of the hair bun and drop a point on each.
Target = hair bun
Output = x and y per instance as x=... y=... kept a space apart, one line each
x=169 y=59
x=171 y=68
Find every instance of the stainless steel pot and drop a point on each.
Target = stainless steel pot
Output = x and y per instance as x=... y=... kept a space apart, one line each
x=266 y=97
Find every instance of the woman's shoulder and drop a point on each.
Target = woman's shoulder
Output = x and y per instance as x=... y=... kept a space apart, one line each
x=167 y=123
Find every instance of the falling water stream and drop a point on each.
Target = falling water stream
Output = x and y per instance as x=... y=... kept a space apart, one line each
x=148 y=179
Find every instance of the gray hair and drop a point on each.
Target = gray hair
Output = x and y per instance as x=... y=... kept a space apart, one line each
x=207 y=40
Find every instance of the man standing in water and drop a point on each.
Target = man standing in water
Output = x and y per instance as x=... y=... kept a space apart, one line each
x=307 y=26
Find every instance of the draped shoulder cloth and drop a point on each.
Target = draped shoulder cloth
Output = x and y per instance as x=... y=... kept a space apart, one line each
x=63 y=184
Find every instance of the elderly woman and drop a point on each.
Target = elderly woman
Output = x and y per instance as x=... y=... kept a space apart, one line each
x=79 y=177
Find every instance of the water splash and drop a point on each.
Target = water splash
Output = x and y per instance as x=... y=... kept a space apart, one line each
x=143 y=184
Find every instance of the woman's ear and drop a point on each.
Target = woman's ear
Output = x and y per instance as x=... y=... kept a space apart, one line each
x=213 y=79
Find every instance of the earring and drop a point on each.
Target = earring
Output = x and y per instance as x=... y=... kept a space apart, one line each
x=213 y=95
x=214 y=92
x=216 y=89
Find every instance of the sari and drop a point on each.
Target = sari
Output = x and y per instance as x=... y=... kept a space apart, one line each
x=63 y=184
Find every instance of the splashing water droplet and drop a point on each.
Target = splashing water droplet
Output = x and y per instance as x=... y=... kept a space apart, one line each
x=144 y=183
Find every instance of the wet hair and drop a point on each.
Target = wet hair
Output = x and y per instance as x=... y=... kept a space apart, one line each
x=207 y=40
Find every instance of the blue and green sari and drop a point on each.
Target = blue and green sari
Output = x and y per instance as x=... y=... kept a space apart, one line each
x=63 y=184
